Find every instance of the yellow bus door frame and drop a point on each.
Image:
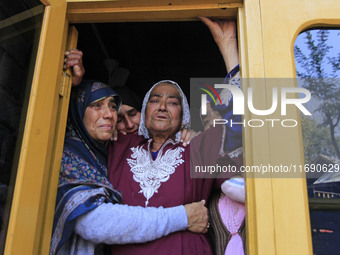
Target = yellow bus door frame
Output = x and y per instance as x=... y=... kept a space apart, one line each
x=277 y=209
x=39 y=164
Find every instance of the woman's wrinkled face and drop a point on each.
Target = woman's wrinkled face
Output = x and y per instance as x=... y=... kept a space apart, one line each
x=100 y=119
x=128 y=119
x=163 y=115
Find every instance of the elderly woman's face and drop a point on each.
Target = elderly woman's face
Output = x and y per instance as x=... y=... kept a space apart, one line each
x=100 y=119
x=164 y=111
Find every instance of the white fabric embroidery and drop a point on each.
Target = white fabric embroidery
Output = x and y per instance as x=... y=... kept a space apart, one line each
x=151 y=173
x=236 y=153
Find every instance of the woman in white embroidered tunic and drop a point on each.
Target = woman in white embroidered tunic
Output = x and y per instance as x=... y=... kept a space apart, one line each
x=156 y=171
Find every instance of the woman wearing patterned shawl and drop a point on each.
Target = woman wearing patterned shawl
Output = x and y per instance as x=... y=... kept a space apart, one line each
x=87 y=208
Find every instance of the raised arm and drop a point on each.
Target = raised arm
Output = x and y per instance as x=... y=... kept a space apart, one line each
x=224 y=34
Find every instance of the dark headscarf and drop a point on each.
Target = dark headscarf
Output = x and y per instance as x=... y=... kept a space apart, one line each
x=83 y=183
x=129 y=97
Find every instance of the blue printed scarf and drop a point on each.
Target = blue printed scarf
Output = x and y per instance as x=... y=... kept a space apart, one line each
x=83 y=183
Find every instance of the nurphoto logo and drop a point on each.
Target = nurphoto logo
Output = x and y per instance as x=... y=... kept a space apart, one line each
x=238 y=103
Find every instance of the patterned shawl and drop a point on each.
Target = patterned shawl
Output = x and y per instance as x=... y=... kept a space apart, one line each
x=83 y=183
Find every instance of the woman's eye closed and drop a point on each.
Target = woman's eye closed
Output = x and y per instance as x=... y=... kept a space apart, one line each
x=174 y=103
x=153 y=101
x=133 y=113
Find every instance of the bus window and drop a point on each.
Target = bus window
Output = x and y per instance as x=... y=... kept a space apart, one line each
x=20 y=24
x=138 y=55
x=147 y=52
x=317 y=57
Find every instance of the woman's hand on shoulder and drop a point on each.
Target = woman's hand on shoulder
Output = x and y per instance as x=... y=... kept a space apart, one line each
x=187 y=135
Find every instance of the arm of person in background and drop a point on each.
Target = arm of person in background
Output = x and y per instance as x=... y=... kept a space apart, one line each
x=224 y=34
x=234 y=188
x=74 y=60
x=120 y=224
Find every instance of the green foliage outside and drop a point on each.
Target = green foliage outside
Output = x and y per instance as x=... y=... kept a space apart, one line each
x=316 y=139
x=320 y=71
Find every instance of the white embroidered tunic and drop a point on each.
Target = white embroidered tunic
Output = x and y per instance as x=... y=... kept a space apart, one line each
x=151 y=173
x=166 y=182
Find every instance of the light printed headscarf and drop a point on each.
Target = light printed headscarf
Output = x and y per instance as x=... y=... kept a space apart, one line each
x=185 y=111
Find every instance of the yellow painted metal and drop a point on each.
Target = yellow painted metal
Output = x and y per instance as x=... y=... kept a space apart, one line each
x=27 y=213
x=150 y=10
x=277 y=216
x=66 y=77
x=277 y=208
x=36 y=184
x=260 y=218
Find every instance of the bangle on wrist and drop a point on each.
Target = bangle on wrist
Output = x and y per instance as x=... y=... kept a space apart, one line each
x=232 y=72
